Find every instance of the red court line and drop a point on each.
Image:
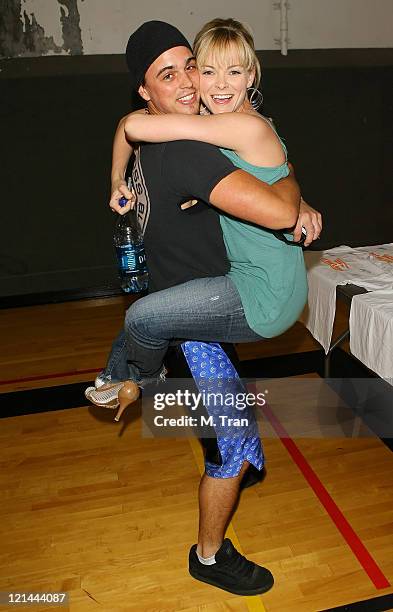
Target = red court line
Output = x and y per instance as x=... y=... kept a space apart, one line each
x=360 y=551
x=47 y=376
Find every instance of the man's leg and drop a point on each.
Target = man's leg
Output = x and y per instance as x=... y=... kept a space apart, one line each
x=217 y=500
x=215 y=560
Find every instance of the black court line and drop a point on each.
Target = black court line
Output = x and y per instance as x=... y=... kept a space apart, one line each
x=56 y=297
x=281 y=366
x=377 y=604
x=43 y=399
x=32 y=401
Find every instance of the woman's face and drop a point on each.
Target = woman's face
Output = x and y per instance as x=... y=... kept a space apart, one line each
x=224 y=82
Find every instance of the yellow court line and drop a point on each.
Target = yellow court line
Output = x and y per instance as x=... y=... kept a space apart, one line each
x=254 y=602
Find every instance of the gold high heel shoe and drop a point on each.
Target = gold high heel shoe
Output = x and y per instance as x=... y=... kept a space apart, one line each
x=112 y=396
x=128 y=394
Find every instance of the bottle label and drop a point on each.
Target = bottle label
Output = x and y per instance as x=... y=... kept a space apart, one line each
x=132 y=259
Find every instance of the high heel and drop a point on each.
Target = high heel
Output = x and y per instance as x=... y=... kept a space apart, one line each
x=128 y=394
x=112 y=396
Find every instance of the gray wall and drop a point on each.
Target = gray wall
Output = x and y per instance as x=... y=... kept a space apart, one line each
x=72 y=27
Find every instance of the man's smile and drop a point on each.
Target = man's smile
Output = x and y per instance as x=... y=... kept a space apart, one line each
x=188 y=99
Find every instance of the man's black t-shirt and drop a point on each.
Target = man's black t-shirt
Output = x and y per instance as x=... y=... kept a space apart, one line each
x=181 y=245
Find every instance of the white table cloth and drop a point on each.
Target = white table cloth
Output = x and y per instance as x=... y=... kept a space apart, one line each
x=370 y=267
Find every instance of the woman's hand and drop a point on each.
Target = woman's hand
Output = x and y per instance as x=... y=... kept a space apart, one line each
x=120 y=190
x=311 y=220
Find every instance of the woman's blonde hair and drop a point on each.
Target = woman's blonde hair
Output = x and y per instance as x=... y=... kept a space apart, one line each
x=218 y=35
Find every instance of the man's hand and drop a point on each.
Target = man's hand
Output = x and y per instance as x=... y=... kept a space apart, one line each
x=311 y=220
x=120 y=190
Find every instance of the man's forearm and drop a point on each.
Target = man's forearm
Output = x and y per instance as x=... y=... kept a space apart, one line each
x=242 y=195
x=288 y=192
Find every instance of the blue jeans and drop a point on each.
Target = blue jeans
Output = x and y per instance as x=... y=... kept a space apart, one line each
x=206 y=309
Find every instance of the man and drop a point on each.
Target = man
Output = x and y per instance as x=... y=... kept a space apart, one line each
x=182 y=245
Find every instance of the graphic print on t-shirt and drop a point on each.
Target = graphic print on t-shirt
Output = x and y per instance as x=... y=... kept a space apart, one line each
x=140 y=189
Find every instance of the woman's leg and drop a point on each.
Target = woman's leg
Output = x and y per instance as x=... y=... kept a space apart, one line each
x=117 y=367
x=207 y=309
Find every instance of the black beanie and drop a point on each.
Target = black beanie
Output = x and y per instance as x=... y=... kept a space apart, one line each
x=147 y=43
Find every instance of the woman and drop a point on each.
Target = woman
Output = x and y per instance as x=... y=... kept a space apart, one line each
x=269 y=274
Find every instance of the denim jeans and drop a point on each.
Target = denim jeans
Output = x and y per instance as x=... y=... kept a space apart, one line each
x=206 y=309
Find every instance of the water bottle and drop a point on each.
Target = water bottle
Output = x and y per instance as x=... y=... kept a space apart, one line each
x=130 y=252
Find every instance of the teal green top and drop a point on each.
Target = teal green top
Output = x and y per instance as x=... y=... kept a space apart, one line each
x=269 y=274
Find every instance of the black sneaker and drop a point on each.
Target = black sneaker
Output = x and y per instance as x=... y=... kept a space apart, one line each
x=231 y=572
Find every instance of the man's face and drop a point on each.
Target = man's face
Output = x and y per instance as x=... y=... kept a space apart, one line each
x=172 y=83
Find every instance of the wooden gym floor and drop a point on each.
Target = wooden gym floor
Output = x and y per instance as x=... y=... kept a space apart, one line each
x=92 y=508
